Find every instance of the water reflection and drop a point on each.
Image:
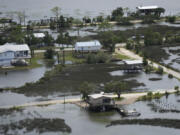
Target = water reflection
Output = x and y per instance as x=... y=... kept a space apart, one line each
x=20 y=77
x=82 y=122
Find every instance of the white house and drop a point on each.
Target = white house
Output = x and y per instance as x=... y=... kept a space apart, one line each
x=39 y=35
x=9 y=52
x=90 y=46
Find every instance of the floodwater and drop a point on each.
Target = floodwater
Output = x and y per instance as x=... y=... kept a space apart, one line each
x=174 y=58
x=20 y=77
x=83 y=122
x=36 y=9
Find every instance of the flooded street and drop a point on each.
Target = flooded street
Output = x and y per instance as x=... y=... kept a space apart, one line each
x=174 y=57
x=82 y=121
x=55 y=118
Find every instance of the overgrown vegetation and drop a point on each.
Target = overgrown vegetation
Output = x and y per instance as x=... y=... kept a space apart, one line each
x=100 y=57
x=115 y=87
x=151 y=96
x=169 y=123
x=40 y=125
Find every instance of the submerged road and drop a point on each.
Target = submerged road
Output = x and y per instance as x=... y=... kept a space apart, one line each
x=129 y=98
x=122 y=50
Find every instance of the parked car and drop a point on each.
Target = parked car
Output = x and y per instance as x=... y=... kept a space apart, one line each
x=19 y=62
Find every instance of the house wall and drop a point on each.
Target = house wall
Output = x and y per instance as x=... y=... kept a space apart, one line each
x=6 y=57
x=87 y=48
x=100 y=101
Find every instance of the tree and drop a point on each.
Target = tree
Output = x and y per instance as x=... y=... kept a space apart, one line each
x=21 y=16
x=115 y=86
x=78 y=23
x=48 y=39
x=64 y=39
x=153 y=38
x=159 y=11
x=145 y=62
x=49 y=54
x=17 y=35
x=85 y=88
x=104 y=25
x=109 y=40
x=117 y=12
x=56 y=11
x=171 y=19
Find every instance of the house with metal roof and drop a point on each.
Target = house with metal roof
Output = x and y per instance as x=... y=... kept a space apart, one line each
x=150 y=10
x=90 y=46
x=9 y=52
x=133 y=65
x=102 y=101
x=147 y=7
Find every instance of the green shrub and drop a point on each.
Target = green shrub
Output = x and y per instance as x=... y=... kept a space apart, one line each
x=101 y=57
x=160 y=70
x=171 y=19
x=157 y=95
x=49 y=54
x=170 y=76
x=176 y=87
x=149 y=94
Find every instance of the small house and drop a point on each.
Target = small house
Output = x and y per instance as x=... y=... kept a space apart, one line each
x=133 y=65
x=145 y=10
x=9 y=52
x=150 y=10
x=101 y=101
x=90 y=46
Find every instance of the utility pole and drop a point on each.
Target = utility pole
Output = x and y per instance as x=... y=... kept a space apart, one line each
x=63 y=57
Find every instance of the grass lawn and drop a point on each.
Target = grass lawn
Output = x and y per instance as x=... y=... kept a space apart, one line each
x=69 y=57
x=121 y=56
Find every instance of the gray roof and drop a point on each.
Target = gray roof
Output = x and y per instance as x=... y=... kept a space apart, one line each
x=14 y=47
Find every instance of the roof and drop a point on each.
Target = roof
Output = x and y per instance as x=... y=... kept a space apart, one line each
x=132 y=62
x=39 y=35
x=13 y=47
x=147 y=7
x=89 y=43
x=102 y=94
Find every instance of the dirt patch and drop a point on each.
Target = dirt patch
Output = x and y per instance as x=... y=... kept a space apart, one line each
x=169 y=123
x=38 y=125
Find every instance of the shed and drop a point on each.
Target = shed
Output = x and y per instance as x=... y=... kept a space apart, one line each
x=90 y=46
x=39 y=35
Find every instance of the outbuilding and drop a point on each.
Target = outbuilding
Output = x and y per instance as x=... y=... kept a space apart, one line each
x=39 y=35
x=9 y=52
x=90 y=46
